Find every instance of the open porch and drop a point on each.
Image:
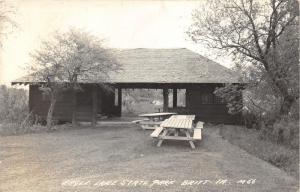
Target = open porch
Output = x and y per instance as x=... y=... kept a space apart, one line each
x=199 y=100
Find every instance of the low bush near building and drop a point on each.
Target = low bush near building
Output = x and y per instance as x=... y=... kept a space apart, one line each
x=14 y=112
x=13 y=104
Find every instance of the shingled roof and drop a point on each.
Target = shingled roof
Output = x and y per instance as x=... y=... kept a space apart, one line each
x=165 y=66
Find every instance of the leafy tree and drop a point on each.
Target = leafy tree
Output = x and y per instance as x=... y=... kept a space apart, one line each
x=232 y=95
x=68 y=59
x=256 y=33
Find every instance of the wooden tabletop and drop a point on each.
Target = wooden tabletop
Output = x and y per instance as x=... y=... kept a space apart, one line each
x=156 y=114
x=183 y=116
x=179 y=121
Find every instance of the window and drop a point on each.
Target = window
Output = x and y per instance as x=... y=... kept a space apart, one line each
x=218 y=100
x=180 y=98
x=210 y=98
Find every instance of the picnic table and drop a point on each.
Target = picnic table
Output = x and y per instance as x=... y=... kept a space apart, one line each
x=153 y=120
x=178 y=127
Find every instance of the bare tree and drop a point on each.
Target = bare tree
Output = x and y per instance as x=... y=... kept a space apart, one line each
x=67 y=60
x=6 y=21
x=252 y=30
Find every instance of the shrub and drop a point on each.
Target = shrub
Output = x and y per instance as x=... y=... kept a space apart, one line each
x=281 y=159
x=13 y=104
x=250 y=120
x=286 y=131
x=14 y=112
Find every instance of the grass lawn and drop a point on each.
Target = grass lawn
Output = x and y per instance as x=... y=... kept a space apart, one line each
x=281 y=156
x=125 y=158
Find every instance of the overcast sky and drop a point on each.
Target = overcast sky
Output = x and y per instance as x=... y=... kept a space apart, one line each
x=123 y=24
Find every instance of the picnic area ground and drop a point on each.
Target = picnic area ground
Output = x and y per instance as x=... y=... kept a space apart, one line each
x=123 y=157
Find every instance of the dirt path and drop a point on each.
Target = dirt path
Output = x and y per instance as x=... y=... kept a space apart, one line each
x=125 y=158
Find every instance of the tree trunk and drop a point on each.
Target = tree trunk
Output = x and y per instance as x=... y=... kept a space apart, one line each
x=287 y=104
x=288 y=99
x=50 y=112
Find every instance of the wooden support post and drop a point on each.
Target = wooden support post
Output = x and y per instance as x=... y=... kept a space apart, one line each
x=187 y=98
x=100 y=97
x=166 y=99
x=94 y=105
x=30 y=98
x=119 y=102
x=74 y=108
x=174 y=98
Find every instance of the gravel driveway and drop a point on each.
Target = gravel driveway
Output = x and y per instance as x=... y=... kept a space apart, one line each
x=125 y=158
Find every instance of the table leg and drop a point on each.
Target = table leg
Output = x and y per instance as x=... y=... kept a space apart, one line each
x=189 y=136
x=165 y=132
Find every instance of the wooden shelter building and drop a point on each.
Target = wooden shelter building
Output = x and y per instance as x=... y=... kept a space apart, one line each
x=166 y=69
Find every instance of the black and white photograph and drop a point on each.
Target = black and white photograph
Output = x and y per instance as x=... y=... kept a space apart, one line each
x=149 y=95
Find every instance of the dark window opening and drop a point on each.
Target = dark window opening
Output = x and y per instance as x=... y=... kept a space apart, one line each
x=116 y=97
x=181 y=97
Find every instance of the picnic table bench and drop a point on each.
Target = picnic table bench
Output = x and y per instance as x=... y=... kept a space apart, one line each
x=153 y=120
x=171 y=128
